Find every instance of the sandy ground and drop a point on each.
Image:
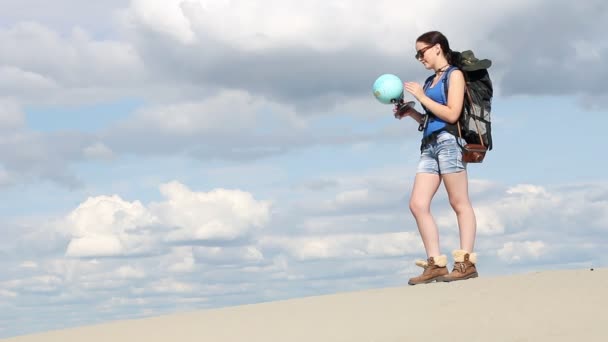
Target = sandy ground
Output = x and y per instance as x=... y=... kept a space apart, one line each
x=551 y=306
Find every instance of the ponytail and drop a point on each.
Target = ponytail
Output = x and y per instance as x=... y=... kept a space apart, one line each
x=453 y=58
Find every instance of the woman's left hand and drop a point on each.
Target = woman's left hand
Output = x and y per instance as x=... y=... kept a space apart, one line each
x=414 y=89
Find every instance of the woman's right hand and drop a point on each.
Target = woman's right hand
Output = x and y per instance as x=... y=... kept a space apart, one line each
x=404 y=111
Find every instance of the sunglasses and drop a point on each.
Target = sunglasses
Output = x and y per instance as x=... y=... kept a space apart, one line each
x=421 y=52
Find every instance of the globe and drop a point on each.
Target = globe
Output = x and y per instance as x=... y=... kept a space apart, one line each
x=388 y=89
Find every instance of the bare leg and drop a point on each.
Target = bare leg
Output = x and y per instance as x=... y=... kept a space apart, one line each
x=457 y=186
x=425 y=187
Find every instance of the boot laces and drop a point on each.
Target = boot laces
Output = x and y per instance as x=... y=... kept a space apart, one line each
x=459 y=266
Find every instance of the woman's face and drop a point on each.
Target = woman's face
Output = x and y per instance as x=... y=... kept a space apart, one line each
x=426 y=54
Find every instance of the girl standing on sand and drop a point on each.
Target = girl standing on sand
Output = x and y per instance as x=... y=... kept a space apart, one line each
x=440 y=160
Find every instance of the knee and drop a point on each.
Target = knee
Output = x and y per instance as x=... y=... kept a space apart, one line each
x=460 y=204
x=419 y=207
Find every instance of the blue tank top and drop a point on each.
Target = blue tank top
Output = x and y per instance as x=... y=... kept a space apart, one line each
x=437 y=94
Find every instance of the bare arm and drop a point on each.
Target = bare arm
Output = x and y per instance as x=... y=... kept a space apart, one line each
x=450 y=112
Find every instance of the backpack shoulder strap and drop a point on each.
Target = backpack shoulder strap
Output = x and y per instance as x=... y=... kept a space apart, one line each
x=452 y=128
x=446 y=81
x=427 y=84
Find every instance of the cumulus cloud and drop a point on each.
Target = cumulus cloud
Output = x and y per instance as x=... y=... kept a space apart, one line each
x=290 y=257
x=36 y=156
x=238 y=80
x=31 y=156
x=129 y=272
x=229 y=255
x=109 y=226
x=521 y=207
x=562 y=56
x=254 y=27
x=230 y=125
x=218 y=215
x=180 y=260
x=521 y=251
x=234 y=126
x=240 y=91
x=95 y=16
x=291 y=54
x=8 y=294
x=106 y=226
x=29 y=264
x=37 y=284
x=71 y=64
x=171 y=286
x=345 y=245
x=293 y=42
x=17 y=82
x=165 y=17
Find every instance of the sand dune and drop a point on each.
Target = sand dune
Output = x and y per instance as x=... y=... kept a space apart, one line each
x=551 y=306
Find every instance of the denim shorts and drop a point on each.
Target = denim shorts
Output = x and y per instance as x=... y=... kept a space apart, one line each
x=442 y=155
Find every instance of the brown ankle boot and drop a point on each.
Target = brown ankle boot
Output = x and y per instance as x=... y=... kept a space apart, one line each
x=434 y=268
x=464 y=266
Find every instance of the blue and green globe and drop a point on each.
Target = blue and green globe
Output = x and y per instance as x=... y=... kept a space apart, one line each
x=388 y=89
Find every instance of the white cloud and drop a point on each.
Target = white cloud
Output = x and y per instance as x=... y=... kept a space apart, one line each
x=105 y=226
x=345 y=245
x=170 y=286
x=6 y=293
x=40 y=283
x=71 y=269
x=63 y=14
x=244 y=76
x=322 y=25
x=13 y=78
x=109 y=226
x=96 y=245
x=210 y=35
x=27 y=156
x=216 y=215
x=521 y=251
x=247 y=67
x=348 y=223
x=228 y=112
x=29 y=264
x=116 y=302
x=228 y=255
x=527 y=189
x=310 y=250
x=104 y=214
x=71 y=63
x=180 y=260
x=130 y=272
x=278 y=268
x=519 y=206
x=164 y=16
x=352 y=197
x=373 y=194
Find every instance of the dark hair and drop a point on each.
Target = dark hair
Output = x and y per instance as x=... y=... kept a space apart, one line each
x=436 y=37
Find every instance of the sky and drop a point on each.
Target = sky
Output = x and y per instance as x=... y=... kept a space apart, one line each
x=177 y=155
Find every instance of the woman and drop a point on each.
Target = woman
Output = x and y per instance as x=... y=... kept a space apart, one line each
x=440 y=160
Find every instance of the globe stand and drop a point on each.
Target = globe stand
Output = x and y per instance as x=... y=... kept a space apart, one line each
x=402 y=105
